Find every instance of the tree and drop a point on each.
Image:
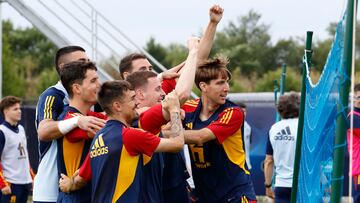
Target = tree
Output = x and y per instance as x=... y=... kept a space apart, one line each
x=26 y=54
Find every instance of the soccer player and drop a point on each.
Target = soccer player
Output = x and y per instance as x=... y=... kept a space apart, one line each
x=15 y=172
x=50 y=105
x=148 y=93
x=118 y=147
x=356 y=144
x=81 y=81
x=280 y=149
x=215 y=140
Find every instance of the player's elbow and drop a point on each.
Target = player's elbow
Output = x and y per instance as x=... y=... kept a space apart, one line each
x=184 y=96
x=268 y=162
x=43 y=135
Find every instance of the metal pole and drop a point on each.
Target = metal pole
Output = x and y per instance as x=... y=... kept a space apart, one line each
x=295 y=182
x=276 y=89
x=282 y=79
x=341 y=120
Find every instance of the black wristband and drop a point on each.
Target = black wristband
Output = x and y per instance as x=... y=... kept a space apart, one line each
x=268 y=185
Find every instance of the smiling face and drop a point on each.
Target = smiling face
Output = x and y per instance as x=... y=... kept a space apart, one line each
x=128 y=106
x=89 y=87
x=152 y=93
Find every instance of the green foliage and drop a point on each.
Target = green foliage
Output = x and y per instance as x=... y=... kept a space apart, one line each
x=292 y=81
x=254 y=60
x=28 y=58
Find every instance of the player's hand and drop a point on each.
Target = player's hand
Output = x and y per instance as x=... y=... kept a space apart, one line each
x=193 y=43
x=65 y=183
x=269 y=192
x=173 y=72
x=6 y=190
x=171 y=102
x=216 y=13
x=91 y=124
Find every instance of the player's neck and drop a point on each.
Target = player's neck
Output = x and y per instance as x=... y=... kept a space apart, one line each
x=208 y=108
x=11 y=122
x=120 y=118
x=80 y=105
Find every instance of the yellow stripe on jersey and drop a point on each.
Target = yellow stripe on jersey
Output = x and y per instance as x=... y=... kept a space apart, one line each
x=72 y=155
x=48 y=107
x=234 y=149
x=225 y=116
x=126 y=174
x=229 y=117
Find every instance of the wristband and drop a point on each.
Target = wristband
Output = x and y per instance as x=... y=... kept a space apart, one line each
x=267 y=185
x=160 y=76
x=67 y=125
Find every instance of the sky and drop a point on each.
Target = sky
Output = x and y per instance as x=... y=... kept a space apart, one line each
x=174 y=21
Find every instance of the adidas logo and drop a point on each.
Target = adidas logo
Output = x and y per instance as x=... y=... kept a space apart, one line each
x=98 y=147
x=284 y=134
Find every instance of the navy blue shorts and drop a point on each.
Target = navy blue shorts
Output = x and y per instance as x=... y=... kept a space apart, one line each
x=178 y=194
x=282 y=194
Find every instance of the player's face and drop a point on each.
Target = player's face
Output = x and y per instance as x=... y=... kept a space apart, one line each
x=129 y=105
x=141 y=65
x=153 y=93
x=90 y=87
x=357 y=99
x=217 y=90
x=13 y=113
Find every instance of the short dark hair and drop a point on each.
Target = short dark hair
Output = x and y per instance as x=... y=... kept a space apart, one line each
x=63 y=51
x=111 y=90
x=289 y=105
x=357 y=87
x=75 y=72
x=125 y=63
x=7 y=102
x=211 y=69
x=140 y=78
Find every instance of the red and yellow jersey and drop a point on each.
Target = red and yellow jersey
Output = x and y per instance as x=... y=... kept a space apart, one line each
x=73 y=148
x=116 y=162
x=218 y=166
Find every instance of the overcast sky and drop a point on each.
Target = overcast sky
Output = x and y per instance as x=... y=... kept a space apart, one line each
x=173 y=21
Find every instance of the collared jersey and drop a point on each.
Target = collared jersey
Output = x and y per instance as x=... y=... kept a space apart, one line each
x=116 y=162
x=356 y=141
x=218 y=166
x=50 y=105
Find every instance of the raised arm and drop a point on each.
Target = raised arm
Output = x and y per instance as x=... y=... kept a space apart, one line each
x=207 y=40
x=187 y=77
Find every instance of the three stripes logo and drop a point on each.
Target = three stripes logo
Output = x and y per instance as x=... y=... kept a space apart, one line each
x=98 y=147
x=227 y=115
x=284 y=134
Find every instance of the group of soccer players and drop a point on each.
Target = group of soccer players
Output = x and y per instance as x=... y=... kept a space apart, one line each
x=133 y=151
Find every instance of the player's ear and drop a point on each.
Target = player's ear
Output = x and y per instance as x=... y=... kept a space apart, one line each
x=203 y=86
x=140 y=94
x=76 y=90
x=116 y=106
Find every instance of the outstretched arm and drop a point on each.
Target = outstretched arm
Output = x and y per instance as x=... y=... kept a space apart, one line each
x=206 y=42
